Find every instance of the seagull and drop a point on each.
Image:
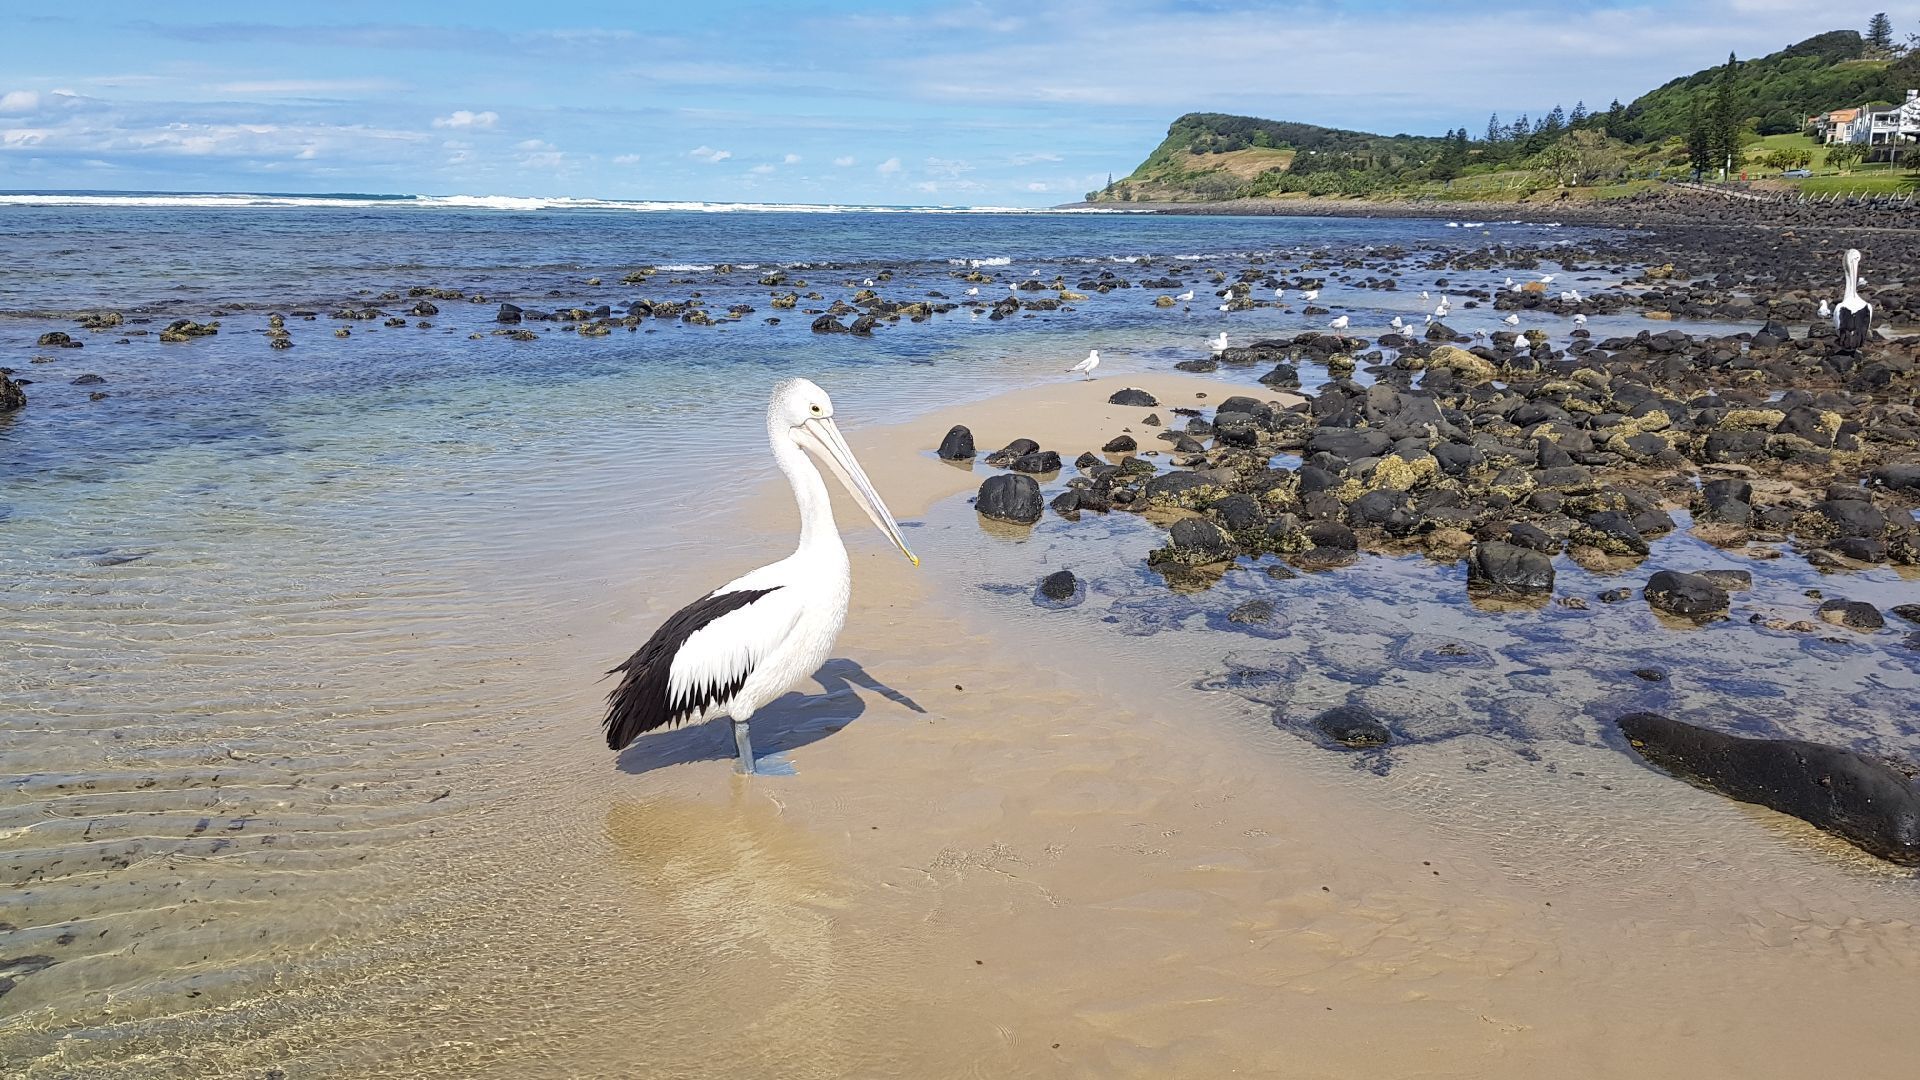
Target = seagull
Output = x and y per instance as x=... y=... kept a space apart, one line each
x=975 y=291
x=1219 y=344
x=1185 y=296
x=1423 y=294
x=1279 y=294
x=1224 y=307
x=1085 y=367
x=1579 y=318
x=1509 y=283
x=744 y=644
x=1339 y=323
x=1446 y=305
x=868 y=283
x=1546 y=279
x=1826 y=310
x=1398 y=323
x=1310 y=295
x=1852 y=316
x=1512 y=320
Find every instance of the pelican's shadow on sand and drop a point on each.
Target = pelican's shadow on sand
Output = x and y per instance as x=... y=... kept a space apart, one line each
x=790 y=722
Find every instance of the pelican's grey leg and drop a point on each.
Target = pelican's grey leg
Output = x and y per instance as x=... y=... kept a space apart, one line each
x=742 y=747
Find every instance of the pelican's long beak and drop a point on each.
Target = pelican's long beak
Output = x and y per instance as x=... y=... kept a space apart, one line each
x=823 y=438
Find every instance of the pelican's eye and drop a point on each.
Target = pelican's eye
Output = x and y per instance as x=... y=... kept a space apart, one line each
x=816 y=410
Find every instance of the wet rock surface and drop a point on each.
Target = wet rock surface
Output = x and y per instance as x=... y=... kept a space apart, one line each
x=1863 y=800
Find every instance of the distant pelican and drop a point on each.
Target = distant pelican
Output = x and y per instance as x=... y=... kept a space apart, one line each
x=1310 y=295
x=736 y=649
x=1085 y=367
x=1511 y=320
x=1219 y=344
x=1185 y=296
x=1339 y=323
x=1853 y=317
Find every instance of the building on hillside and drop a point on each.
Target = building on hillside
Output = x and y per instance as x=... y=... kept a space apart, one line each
x=1836 y=126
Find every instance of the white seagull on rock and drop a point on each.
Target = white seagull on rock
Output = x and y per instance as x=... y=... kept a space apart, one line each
x=1339 y=323
x=743 y=645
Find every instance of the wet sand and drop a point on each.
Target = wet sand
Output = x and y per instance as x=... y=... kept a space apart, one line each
x=1009 y=847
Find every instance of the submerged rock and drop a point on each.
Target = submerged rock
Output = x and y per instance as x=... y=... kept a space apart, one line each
x=1353 y=726
x=1011 y=497
x=1690 y=595
x=1501 y=568
x=1059 y=586
x=11 y=396
x=1860 y=799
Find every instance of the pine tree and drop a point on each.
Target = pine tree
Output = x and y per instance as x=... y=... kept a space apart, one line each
x=1723 y=122
x=1616 y=124
x=1579 y=115
x=1494 y=131
x=1880 y=33
x=1699 y=139
x=1555 y=121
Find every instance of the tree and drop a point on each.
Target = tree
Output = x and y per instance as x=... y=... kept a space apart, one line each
x=1555 y=121
x=1579 y=115
x=1699 y=140
x=1616 y=123
x=1723 y=121
x=1494 y=131
x=1880 y=34
x=1582 y=157
x=1844 y=156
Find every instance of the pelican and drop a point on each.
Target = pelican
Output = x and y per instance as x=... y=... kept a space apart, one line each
x=1339 y=323
x=1512 y=320
x=746 y=643
x=1852 y=316
x=1310 y=295
x=1219 y=344
x=1085 y=367
x=1185 y=296
x=1826 y=310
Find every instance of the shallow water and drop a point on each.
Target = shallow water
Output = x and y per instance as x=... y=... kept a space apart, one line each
x=299 y=692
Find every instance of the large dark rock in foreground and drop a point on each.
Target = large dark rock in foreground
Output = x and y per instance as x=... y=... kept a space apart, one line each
x=1860 y=799
x=1132 y=395
x=1011 y=497
x=1505 y=569
x=958 y=445
x=1354 y=726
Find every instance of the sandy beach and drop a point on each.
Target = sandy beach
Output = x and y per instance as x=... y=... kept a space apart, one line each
x=1005 y=850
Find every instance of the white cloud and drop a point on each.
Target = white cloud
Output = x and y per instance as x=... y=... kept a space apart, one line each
x=844 y=162
x=463 y=118
x=709 y=155
x=627 y=159
x=790 y=159
x=761 y=170
x=1036 y=186
x=533 y=144
x=947 y=168
x=19 y=101
x=888 y=167
x=1033 y=159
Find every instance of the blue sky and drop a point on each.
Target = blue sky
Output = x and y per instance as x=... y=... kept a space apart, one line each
x=980 y=102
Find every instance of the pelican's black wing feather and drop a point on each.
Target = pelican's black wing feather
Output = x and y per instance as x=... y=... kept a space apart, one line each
x=639 y=704
x=1853 y=327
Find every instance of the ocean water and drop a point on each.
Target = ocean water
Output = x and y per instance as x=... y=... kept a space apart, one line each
x=284 y=629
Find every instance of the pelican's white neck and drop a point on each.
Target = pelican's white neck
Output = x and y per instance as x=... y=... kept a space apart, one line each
x=1853 y=278
x=817 y=530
